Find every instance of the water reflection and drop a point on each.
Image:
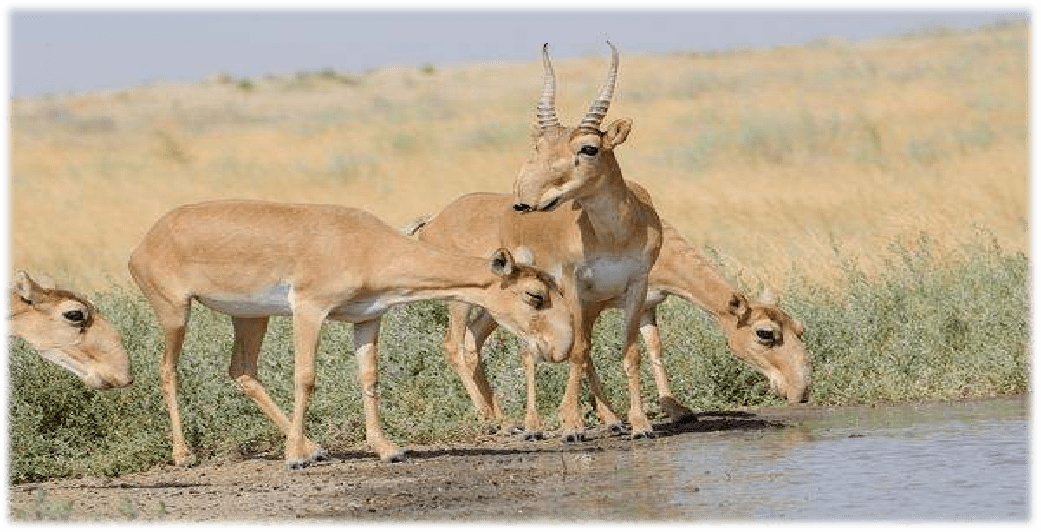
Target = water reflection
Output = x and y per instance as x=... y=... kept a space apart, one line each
x=965 y=461
x=590 y=483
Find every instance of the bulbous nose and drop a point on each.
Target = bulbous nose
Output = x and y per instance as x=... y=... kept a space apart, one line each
x=803 y=396
x=521 y=207
x=122 y=382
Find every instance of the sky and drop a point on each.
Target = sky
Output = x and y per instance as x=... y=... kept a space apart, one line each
x=68 y=51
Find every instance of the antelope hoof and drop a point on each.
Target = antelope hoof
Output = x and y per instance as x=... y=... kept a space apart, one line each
x=320 y=455
x=532 y=435
x=396 y=457
x=297 y=465
x=515 y=431
x=574 y=437
x=618 y=429
x=185 y=461
x=648 y=434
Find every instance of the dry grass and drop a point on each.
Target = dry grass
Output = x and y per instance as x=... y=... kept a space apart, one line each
x=773 y=157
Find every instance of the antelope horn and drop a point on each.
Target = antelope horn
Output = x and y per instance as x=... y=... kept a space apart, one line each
x=597 y=111
x=547 y=108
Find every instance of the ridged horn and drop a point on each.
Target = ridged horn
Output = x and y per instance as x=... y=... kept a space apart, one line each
x=547 y=109
x=597 y=111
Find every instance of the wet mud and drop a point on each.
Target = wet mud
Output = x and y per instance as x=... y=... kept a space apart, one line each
x=683 y=474
x=499 y=477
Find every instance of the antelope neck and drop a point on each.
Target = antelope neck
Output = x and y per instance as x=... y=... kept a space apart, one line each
x=443 y=276
x=693 y=279
x=611 y=208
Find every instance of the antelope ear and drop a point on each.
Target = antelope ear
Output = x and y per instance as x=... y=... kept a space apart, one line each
x=524 y=256
x=24 y=286
x=768 y=297
x=799 y=327
x=617 y=132
x=502 y=263
x=738 y=305
x=46 y=281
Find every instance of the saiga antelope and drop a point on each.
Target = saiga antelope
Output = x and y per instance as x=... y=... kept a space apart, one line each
x=758 y=332
x=599 y=248
x=255 y=259
x=67 y=329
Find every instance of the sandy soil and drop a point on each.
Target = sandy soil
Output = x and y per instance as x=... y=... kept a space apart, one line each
x=499 y=477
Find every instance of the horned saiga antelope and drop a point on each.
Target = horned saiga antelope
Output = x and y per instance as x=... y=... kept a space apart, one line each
x=758 y=332
x=67 y=329
x=599 y=248
x=255 y=259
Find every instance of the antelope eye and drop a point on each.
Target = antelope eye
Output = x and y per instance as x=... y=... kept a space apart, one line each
x=589 y=150
x=537 y=300
x=765 y=336
x=75 y=316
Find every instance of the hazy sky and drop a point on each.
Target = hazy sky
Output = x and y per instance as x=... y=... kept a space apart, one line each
x=71 y=51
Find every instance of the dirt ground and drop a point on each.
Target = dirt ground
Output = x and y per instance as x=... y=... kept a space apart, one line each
x=499 y=477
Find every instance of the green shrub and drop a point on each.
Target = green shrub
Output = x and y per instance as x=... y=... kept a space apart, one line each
x=932 y=326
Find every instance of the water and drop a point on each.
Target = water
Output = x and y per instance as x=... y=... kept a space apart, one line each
x=938 y=462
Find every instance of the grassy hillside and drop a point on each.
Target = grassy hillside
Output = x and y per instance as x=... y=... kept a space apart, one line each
x=772 y=157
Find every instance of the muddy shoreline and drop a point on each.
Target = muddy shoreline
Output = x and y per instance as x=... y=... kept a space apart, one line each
x=499 y=477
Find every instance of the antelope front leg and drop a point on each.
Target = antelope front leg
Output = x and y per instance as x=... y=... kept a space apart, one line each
x=570 y=416
x=636 y=295
x=366 y=339
x=307 y=326
x=532 y=421
x=604 y=410
x=652 y=339
x=477 y=332
x=463 y=343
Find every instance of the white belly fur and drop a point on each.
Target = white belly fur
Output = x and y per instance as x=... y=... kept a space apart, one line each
x=275 y=301
x=360 y=310
x=272 y=301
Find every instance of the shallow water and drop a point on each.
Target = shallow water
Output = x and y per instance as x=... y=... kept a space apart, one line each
x=965 y=461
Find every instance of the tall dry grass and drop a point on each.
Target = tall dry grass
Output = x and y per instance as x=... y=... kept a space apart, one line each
x=775 y=158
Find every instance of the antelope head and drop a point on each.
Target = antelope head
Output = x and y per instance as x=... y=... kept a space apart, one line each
x=67 y=330
x=529 y=304
x=568 y=163
x=768 y=339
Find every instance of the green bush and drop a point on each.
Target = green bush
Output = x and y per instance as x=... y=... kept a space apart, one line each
x=933 y=326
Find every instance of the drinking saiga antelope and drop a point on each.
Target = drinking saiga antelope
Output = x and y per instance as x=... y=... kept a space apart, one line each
x=255 y=259
x=67 y=329
x=758 y=332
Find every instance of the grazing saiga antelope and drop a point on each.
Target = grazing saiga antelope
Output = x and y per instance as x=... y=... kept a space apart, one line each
x=255 y=259
x=758 y=332
x=67 y=329
x=599 y=248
